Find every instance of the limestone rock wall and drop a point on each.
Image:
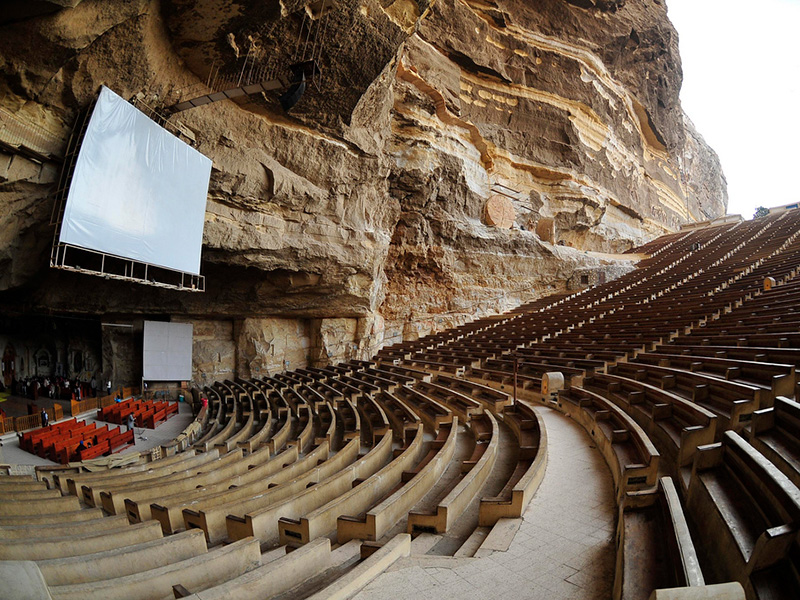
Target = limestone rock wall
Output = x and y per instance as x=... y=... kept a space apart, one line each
x=359 y=218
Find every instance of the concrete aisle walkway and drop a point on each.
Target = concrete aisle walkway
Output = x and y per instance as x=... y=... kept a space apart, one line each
x=564 y=547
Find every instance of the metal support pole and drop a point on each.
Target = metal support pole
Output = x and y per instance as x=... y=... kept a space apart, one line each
x=516 y=368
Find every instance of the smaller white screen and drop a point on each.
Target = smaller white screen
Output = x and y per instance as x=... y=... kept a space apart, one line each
x=167 y=354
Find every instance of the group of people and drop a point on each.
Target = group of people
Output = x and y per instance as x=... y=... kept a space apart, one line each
x=58 y=388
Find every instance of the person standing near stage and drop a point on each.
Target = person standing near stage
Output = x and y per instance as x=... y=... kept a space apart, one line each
x=93 y=383
x=45 y=418
x=108 y=388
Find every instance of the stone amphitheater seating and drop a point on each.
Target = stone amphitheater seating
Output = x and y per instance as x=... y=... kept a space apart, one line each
x=663 y=368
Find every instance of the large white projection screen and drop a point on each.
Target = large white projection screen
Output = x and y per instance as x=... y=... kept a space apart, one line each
x=138 y=191
x=167 y=354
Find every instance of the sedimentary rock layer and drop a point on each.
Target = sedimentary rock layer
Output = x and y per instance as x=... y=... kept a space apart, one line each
x=360 y=216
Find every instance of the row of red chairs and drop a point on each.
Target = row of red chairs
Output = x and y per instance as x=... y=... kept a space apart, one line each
x=29 y=439
x=60 y=442
x=146 y=413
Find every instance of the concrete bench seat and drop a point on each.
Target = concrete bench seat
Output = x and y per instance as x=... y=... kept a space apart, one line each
x=514 y=498
x=417 y=374
x=228 y=428
x=401 y=417
x=733 y=403
x=77 y=545
x=276 y=577
x=752 y=353
x=198 y=572
x=631 y=456
x=369 y=568
x=383 y=375
x=432 y=413
x=460 y=404
x=675 y=425
x=775 y=432
x=28 y=494
x=780 y=379
x=69 y=481
x=20 y=508
x=435 y=366
x=168 y=510
x=90 y=488
x=492 y=399
x=374 y=422
x=76 y=515
x=112 y=498
x=374 y=381
x=209 y=513
x=261 y=518
x=323 y=520
x=654 y=546
x=505 y=380
x=21 y=532
x=415 y=484
x=125 y=560
x=475 y=469
x=736 y=496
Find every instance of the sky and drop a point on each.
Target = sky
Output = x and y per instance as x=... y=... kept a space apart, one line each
x=741 y=87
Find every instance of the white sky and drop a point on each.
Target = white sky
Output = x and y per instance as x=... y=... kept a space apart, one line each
x=741 y=65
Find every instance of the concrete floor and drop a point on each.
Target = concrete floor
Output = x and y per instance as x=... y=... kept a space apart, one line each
x=564 y=548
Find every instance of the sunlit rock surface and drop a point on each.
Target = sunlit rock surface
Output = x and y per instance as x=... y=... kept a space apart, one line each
x=360 y=217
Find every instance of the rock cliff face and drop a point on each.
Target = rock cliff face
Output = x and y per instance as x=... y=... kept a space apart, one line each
x=361 y=216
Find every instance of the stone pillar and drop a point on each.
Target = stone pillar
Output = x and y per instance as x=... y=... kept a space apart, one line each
x=122 y=354
x=271 y=345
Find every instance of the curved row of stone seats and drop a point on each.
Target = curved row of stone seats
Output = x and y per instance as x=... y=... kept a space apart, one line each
x=68 y=480
x=79 y=544
x=402 y=418
x=209 y=512
x=322 y=484
x=27 y=530
x=779 y=379
x=126 y=560
x=491 y=399
x=279 y=478
x=168 y=509
x=743 y=502
x=280 y=575
x=459 y=404
x=306 y=525
x=755 y=354
x=229 y=416
x=396 y=503
x=655 y=550
x=677 y=426
x=256 y=482
x=629 y=453
x=113 y=498
x=475 y=471
x=775 y=433
x=216 y=418
x=432 y=413
x=245 y=419
x=20 y=494
x=88 y=487
x=198 y=572
x=528 y=473
x=374 y=422
x=262 y=424
x=733 y=403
